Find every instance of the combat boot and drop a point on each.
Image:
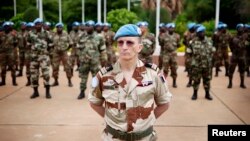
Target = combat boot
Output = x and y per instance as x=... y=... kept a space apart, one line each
x=20 y=73
x=55 y=83
x=242 y=83
x=208 y=96
x=194 y=97
x=3 y=81
x=174 y=83
x=189 y=83
x=35 y=94
x=230 y=82
x=48 y=95
x=14 y=81
x=70 y=83
x=81 y=95
x=28 y=81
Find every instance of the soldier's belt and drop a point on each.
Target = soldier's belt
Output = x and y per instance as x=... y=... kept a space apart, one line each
x=115 y=105
x=128 y=136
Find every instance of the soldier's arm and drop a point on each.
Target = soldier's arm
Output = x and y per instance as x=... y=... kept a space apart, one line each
x=95 y=96
x=162 y=96
x=178 y=40
x=103 y=52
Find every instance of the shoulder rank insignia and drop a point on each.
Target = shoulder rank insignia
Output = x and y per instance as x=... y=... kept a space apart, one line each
x=152 y=66
x=104 y=70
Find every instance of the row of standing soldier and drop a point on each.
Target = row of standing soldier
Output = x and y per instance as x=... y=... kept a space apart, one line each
x=87 y=45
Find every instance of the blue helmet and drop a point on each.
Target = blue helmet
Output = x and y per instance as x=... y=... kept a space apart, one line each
x=23 y=23
x=191 y=25
x=143 y=23
x=99 y=24
x=128 y=30
x=161 y=25
x=47 y=23
x=201 y=29
x=30 y=24
x=170 y=25
x=239 y=26
x=90 y=23
x=7 y=23
x=75 y=23
x=38 y=20
x=59 y=25
x=107 y=24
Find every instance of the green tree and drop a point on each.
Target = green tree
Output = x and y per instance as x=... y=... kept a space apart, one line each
x=30 y=14
x=120 y=17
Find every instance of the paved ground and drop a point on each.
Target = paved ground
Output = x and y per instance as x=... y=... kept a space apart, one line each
x=64 y=118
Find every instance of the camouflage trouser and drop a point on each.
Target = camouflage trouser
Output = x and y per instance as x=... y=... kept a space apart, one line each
x=43 y=62
x=111 y=58
x=74 y=57
x=16 y=57
x=8 y=59
x=241 y=62
x=169 y=60
x=221 y=55
x=86 y=67
x=205 y=74
x=59 y=56
x=188 y=61
x=27 y=62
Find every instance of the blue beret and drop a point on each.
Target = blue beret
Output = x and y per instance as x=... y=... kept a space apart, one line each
x=90 y=23
x=128 y=30
x=161 y=25
x=170 y=25
x=75 y=23
x=201 y=29
x=191 y=25
x=59 y=25
x=247 y=26
x=197 y=25
x=99 y=24
x=239 y=25
x=139 y=23
x=38 y=20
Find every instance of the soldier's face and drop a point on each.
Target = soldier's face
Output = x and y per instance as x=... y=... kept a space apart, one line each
x=38 y=26
x=128 y=47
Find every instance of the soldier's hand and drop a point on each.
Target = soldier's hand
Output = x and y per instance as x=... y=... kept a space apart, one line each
x=103 y=63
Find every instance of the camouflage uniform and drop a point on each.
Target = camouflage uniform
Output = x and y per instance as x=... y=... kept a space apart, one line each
x=8 y=43
x=221 y=42
x=109 y=35
x=169 y=44
x=74 y=56
x=148 y=41
x=238 y=48
x=39 y=59
x=202 y=52
x=61 y=43
x=92 y=52
x=188 y=36
x=129 y=107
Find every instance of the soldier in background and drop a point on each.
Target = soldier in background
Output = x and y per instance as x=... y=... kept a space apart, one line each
x=74 y=34
x=238 y=49
x=8 y=45
x=247 y=32
x=148 y=41
x=47 y=27
x=22 y=36
x=170 y=42
x=61 y=44
x=201 y=50
x=125 y=94
x=221 y=40
x=92 y=55
x=188 y=36
x=163 y=30
x=109 y=35
x=39 y=40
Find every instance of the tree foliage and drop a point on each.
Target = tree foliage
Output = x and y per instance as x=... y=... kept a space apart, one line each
x=120 y=17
